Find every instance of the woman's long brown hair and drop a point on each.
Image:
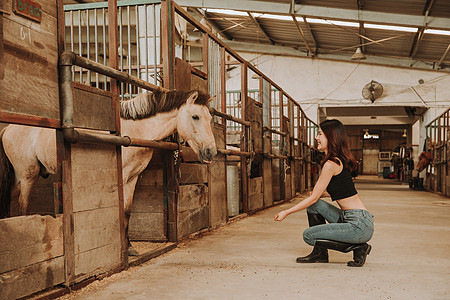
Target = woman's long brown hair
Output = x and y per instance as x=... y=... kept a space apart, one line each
x=338 y=144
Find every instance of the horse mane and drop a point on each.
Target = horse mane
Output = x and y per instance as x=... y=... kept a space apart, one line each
x=159 y=101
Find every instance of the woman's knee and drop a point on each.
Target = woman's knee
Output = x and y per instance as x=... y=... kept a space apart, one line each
x=308 y=237
x=314 y=208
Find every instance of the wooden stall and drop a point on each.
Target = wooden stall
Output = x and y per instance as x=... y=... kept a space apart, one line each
x=32 y=247
x=438 y=144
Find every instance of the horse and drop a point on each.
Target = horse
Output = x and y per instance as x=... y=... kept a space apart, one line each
x=424 y=160
x=29 y=152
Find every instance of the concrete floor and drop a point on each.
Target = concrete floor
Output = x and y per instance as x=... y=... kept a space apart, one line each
x=254 y=258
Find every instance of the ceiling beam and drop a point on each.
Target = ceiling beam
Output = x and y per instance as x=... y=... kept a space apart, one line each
x=255 y=21
x=292 y=51
x=420 y=33
x=443 y=56
x=200 y=14
x=313 y=39
x=323 y=12
x=305 y=41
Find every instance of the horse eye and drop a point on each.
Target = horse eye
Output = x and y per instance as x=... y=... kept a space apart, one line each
x=195 y=117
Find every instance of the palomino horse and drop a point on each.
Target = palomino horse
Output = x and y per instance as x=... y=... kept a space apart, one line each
x=28 y=152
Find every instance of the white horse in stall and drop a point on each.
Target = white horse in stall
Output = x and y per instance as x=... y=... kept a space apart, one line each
x=27 y=152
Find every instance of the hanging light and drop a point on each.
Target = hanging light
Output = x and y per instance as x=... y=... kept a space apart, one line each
x=358 y=55
x=404 y=133
x=367 y=132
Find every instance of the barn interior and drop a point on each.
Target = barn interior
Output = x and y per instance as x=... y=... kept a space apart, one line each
x=275 y=70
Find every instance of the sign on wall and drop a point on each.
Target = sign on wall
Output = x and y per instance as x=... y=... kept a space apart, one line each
x=28 y=9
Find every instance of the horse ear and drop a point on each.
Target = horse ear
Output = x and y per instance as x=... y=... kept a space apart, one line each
x=192 y=97
x=211 y=99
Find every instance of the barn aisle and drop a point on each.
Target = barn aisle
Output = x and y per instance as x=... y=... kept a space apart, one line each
x=254 y=258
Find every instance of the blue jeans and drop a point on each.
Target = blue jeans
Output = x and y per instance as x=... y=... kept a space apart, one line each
x=349 y=226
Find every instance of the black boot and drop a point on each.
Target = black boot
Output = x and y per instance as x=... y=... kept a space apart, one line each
x=360 y=251
x=318 y=255
x=359 y=255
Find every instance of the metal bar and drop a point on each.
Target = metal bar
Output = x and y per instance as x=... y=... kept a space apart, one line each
x=155 y=48
x=69 y=7
x=265 y=128
x=71 y=40
x=138 y=49
x=121 y=51
x=111 y=72
x=234 y=152
x=104 y=47
x=88 y=44
x=79 y=43
x=146 y=42
x=213 y=111
x=129 y=48
x=96 y=45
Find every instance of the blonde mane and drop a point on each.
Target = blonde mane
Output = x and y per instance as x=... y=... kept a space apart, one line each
x=152 y=103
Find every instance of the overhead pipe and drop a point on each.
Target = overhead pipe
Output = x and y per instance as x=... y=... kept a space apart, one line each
x=213 y=111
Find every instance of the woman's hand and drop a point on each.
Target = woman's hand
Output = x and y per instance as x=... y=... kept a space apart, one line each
x=280 y=216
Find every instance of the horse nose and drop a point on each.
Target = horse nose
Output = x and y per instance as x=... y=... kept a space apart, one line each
x=210 y=153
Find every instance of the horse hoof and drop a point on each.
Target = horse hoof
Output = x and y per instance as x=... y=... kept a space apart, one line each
x=132 y=252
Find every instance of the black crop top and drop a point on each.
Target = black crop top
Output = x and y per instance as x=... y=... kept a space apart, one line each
x=341 y=186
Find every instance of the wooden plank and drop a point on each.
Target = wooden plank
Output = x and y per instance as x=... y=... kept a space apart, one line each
x=182 y=75
x=148 y=216
x=192 y=197
x=193 y=173
x=256 y=185
x=193 y=209
x=96 y=228
x=218 y=191
x=31 y=279
x=256 y=196
x=217 y=182
x=192 y=221
x=93 y=108
x=256 y=113
x=97 y=261
x=198 y=83
x=148 y=199
x=234 y=137
x=147 y=227
x=28 y=240
x=267 y=187
x=94 y=176
x=30 y=46
x=42 y=198
x=256 y=201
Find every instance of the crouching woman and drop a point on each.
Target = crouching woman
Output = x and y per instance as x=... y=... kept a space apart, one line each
x=350 y=226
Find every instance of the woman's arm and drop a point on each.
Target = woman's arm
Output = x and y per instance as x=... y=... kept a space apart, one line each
x=328 y=170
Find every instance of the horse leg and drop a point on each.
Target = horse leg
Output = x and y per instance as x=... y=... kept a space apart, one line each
x=128 y=192
x=26 y=187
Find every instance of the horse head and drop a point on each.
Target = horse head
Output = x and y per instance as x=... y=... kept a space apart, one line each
x=194 y=126
x=424 y=160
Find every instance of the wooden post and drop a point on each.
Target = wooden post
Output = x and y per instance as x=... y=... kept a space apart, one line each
x=246 y=131
x=68 y=224
x=114 y=63
x=282 y=143
x=168 y=57
x=205 y=54
x=168 y=43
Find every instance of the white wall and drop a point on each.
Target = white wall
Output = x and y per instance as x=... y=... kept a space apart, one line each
x=318 y=81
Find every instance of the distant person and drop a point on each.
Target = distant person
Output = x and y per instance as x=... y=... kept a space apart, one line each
x=350 y=226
